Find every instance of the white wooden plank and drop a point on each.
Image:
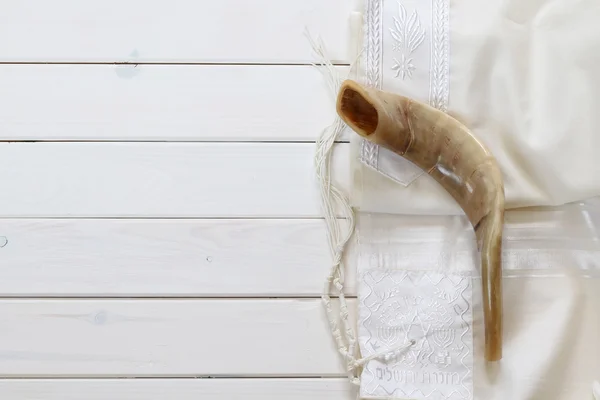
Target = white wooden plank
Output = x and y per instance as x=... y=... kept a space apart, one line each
x=179 y=389
x=161 y=102
x=158 y=179
x=170 y=31
x=253 y=257
x=164 y=257
x=82 y=338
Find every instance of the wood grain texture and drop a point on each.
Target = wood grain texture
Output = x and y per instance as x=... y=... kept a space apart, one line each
x=179 y=389
x=260 y=257
x=223 y=31
x=166 y=219
x=165 y=257
x=163 y=179
x=117 y=338
x=164 y=103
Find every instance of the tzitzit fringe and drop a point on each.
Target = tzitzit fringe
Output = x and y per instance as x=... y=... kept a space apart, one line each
x=338 y=235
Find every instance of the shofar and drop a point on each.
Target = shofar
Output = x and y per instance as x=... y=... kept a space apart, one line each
x=446 y=150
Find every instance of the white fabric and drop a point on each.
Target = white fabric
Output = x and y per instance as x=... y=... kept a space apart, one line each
x=430 y=309
x=551 y=306
x=522 y=74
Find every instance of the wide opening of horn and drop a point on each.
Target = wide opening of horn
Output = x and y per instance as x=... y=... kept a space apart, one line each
x=358 y=111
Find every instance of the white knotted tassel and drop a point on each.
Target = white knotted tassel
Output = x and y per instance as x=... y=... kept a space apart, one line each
x=338 y=236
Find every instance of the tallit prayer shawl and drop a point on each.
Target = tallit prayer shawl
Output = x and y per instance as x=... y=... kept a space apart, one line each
x=523 y=76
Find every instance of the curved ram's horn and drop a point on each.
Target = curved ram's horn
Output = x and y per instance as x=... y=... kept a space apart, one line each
x=442 y=146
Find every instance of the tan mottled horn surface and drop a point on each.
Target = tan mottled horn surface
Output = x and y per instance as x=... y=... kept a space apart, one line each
x=446 y=150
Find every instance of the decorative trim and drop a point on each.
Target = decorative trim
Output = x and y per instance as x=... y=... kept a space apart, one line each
x=408 y=35
x=374 y=42
x=374 y=53
x=439 y=72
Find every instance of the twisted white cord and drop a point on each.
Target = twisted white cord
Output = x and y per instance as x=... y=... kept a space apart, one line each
x=338 y=237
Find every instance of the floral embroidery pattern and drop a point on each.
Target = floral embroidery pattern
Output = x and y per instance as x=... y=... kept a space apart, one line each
x=408 y=36
x=404 y=67
x=405 y=28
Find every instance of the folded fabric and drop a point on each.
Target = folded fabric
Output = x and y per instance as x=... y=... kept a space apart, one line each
x=419 y=281
x=521 y=74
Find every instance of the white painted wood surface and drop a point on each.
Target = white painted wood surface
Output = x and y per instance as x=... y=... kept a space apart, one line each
x=174 y=337
x=163 y=179
x=165 y=257
x=183 y=389
x=134 y=245
x=163 y=102
x=216 y=31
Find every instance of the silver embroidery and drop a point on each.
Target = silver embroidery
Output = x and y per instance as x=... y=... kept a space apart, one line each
x=373 y=27
x=408 y=36
x=432 y=308
x=404 y=67
x=440 y=43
